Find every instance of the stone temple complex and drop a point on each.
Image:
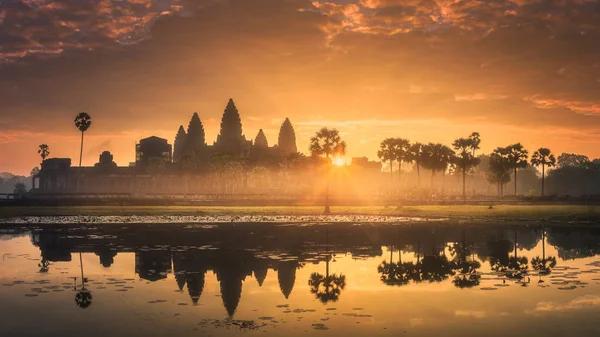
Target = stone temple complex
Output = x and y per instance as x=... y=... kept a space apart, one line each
x=231 y=141
x=160 y=166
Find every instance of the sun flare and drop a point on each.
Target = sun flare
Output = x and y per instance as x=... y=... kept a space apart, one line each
x=339 y=161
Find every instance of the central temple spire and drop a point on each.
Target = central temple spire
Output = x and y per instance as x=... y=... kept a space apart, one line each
x=230 y=139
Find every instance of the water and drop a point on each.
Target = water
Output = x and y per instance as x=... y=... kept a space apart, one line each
x=296 y=279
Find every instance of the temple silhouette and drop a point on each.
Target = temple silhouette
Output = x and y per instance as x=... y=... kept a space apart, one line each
x=183 y=167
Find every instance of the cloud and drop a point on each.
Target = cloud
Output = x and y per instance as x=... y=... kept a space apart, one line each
x=583 y=302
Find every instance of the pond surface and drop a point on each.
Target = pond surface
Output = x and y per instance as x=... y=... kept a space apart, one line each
x=290 y=279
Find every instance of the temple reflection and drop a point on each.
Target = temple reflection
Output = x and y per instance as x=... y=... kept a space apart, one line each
x=424 y=253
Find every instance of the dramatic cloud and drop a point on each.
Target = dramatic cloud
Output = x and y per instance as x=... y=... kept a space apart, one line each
x=428 y=70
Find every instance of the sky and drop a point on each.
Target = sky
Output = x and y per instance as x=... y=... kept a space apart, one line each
x=431 y=71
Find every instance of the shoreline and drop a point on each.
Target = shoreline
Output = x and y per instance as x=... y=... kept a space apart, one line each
x=504 y=213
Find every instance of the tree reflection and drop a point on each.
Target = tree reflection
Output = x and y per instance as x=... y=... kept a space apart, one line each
x=327 y=288
x=83 y=298
x=467 y=275
x=396 y=274
x=543 y=265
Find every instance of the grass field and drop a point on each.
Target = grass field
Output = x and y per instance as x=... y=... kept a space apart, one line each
x=525 y=212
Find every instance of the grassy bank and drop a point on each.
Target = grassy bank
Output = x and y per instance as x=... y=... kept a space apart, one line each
x=526 y=212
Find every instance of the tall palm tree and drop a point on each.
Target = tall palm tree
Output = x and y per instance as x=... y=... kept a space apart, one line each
x=544 y=157
x=464 y=158
x=83 y=121
x=402 y=151
x=327 y=143
x=44 y=151
x=476 y=140
x=387 y=152
x=415 y=155
x=516 y=155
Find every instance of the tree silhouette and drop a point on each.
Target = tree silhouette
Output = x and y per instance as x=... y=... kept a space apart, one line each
x=83 y=298
x=499 y=168
x=20 y=189
x=436 y=157
x=44 y=151
x=327 y=143
x=327 y=288
x=402 y=153
x=34 y=171
x=543 y=157
x=415 y=155
x=464 y=159
x=388 y=152
x=543 y=265
x=475 y=140
x=467 y=275
x=83 y=121
x=396 y=274
x=516 y=156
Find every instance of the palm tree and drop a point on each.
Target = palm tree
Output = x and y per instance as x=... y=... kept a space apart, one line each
x=415 y=154
x=402 y=151
x=44 y=151
x=516 y=155
x=83 y=121
x=436 y=157
x=544 y=157
x=327 y=143
x=476 y=140
x=499 y=168
x=465 y=159
x=387 y=152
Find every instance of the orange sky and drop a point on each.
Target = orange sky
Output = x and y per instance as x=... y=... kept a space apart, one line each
x=522 y=71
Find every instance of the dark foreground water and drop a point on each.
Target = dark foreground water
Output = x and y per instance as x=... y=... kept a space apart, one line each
x=283 y=279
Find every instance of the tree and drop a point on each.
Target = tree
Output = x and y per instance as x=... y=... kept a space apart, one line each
x=20 y=189
x=415 y=155
x=34 y=171
x=387 y=152
x=44 y=151
x=464 y=158
x=401 y=152
x=83 y=121
x=543 y=157
x=476 y=140
x=572 y=160
x=499 y=168
x=327 y=143
x=516 y=156
x=436 y=157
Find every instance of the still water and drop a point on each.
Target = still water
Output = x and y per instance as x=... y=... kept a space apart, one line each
x=297 y=279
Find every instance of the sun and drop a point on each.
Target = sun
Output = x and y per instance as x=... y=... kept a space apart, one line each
x=339 y=161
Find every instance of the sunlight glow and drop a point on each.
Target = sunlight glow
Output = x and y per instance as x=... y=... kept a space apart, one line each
x=339 y=161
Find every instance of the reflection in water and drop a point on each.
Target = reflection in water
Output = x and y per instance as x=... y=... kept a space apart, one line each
x=218 y=260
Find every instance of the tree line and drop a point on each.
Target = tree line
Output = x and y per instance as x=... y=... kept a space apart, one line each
x=461 y=159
